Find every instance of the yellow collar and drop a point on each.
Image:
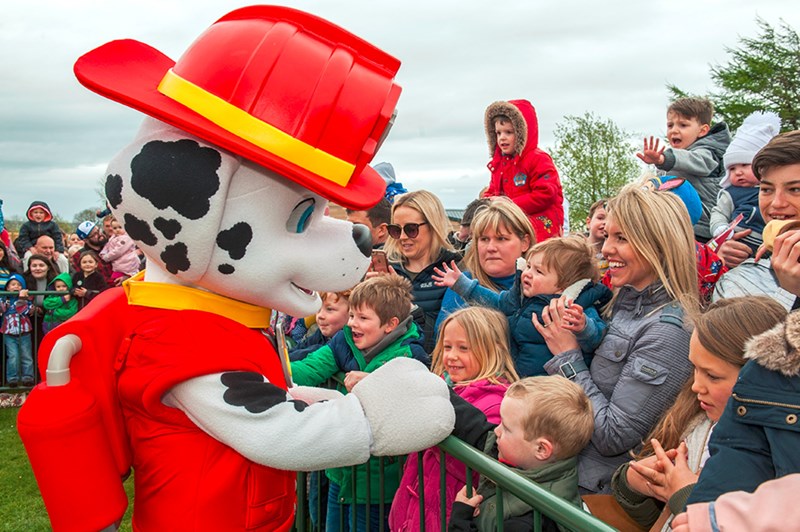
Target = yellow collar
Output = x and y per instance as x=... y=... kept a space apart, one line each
x=177 y=297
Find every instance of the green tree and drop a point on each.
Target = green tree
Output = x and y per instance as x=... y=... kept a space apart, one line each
x=595 y=158
x=762 y=75
x=86 y=214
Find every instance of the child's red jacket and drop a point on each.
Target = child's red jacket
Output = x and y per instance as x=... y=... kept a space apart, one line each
x=529 y=177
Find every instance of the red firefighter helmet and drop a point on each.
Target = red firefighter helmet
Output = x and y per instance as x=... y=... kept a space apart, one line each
x=283 y=88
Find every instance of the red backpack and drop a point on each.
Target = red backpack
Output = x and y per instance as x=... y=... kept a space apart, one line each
x=72 y=424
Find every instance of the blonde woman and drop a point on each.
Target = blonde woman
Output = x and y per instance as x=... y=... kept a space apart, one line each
x=417 y=244
x=501 y=233
x=642 y=363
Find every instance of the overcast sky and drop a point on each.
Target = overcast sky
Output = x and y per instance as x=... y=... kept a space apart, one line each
x=567 y=57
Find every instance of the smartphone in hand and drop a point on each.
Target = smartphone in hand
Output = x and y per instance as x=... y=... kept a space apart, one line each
x=379 y=261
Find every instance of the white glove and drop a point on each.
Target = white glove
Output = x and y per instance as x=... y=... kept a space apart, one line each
x=408 y=407
x=312 y=394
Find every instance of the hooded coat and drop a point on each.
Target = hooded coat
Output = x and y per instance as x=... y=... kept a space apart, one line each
x=30 y=230
x=59 y=309
x=758 y=435
x=528 y=177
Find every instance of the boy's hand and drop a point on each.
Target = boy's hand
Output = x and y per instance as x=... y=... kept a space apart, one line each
x=473 y=501
x=573 y=318
x=446 y=276
x=786 y=261
x=67 y=296
x=23 y=294
x=732 y=252
x=651 y=153
x=352 y=378
x=80 y=292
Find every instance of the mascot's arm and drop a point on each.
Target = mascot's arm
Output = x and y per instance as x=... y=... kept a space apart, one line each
x=263 y=423
x=266 y=425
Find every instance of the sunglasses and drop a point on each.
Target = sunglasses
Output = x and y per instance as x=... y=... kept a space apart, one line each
x=411 y=230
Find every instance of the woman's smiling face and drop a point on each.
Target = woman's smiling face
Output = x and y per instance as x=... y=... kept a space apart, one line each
x=625 y=265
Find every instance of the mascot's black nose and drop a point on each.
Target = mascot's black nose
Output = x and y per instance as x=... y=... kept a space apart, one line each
x=363 y=238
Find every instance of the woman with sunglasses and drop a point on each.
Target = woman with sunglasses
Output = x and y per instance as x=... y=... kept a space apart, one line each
x=417 y=244
x=501 y=233
x=642 y=363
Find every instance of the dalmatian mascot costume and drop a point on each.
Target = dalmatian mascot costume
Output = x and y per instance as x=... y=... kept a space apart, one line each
x=270 y=113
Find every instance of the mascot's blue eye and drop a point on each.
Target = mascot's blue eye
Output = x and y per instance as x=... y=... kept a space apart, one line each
x=300 y=216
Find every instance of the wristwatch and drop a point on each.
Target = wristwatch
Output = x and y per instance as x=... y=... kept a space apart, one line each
x=571 y=369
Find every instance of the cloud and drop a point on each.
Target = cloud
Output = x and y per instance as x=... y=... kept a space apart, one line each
x=567 y=57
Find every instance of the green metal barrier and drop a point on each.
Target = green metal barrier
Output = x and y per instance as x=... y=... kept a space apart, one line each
x=542 y=501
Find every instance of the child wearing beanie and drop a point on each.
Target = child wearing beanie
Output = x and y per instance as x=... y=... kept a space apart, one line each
x=739 y=187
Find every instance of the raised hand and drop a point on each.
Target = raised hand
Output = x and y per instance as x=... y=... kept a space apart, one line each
x=447 y=276
x=651 y=152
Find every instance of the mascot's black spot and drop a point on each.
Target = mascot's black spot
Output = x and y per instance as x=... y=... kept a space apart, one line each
x=179 y=174
x=226 y=269
x=235 y=239
x=176 y=258
x=139 y=230
x=168 y=228
x=114 y=190
x=249 y=390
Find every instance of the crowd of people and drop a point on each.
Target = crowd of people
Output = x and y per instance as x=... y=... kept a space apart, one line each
x=645 y=364
x=73 y=267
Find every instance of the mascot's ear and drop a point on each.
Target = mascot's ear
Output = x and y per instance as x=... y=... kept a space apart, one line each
x=165 y=182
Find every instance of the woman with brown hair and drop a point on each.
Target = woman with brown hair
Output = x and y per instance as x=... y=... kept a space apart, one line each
x=716 y=350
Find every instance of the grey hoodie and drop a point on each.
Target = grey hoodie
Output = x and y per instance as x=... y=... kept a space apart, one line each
x=701 y=165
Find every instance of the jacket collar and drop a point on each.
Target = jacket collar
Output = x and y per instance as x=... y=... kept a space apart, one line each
x=779 y=348
x=177 y=297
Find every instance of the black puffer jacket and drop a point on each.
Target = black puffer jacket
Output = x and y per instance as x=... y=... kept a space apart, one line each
x=427 y=295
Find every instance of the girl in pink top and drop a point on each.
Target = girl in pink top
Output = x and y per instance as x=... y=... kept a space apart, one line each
x=472 y=355
x=120 y=251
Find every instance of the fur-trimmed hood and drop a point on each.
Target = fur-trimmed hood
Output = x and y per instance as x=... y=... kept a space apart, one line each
x=778 y=349
x=523 y=117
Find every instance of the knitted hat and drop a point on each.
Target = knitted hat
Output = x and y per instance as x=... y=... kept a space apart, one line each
x=15 y=277
x=754 y=133
x=84 y=228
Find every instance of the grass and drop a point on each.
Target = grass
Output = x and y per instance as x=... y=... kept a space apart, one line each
x=21 y=505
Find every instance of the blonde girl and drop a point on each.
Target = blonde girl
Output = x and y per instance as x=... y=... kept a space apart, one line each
x=472 y=355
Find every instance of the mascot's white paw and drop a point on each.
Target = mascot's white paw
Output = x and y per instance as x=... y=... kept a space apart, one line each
x=407 y=406
x=312 y=394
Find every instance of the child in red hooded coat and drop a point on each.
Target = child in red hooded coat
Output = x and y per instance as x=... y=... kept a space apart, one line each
x=522 y=171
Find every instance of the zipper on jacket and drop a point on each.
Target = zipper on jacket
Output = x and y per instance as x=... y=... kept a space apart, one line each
x=765 y=403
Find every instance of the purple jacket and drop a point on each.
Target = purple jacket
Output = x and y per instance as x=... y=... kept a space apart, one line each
x=404 y=515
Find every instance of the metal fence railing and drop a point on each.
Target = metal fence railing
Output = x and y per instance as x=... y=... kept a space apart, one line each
x=542 y=501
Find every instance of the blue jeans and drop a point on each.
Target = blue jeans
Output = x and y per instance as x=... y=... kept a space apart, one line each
x=335 y=510
x=19 y=355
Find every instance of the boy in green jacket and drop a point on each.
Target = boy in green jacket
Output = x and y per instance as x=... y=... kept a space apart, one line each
x=544 y=423
x=59 y=309
x=379 y=328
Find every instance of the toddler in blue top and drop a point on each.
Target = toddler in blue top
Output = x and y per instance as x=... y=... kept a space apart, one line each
x=558 y=267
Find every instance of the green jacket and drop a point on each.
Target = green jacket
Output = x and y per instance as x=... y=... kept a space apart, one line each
x=341 y=354
x=559 y=478
x=57 y=308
